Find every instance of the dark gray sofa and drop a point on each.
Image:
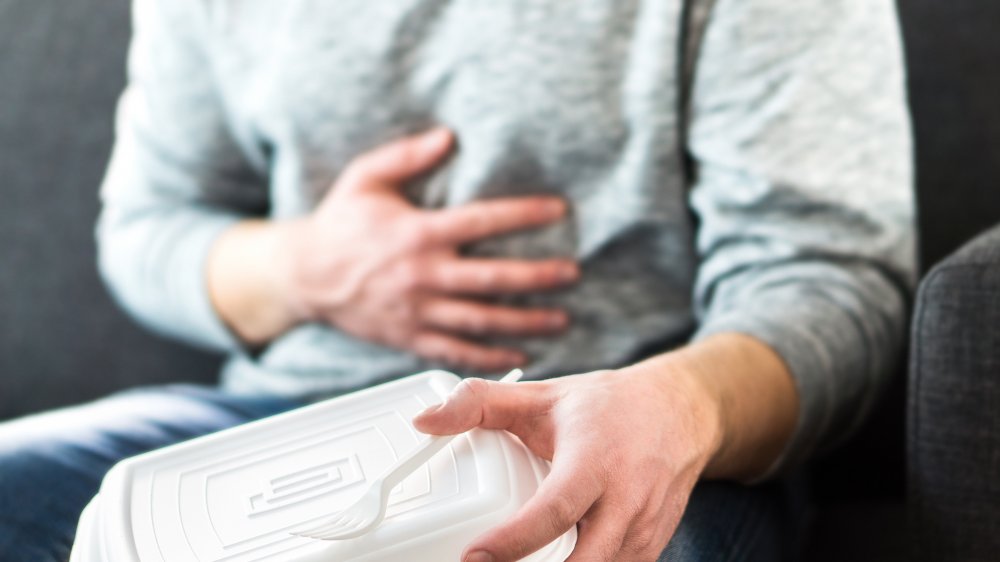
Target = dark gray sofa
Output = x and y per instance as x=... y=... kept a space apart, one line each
x=954 y=407
x=61 y=338
x=63 y=341
x=953 y=422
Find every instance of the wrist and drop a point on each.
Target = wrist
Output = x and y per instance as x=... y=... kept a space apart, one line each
x=681 y=385
x=248 y=281
x=746 y=397
x=287 y=256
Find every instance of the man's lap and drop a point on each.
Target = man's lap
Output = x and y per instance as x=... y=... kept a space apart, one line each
x=726 y=522
x=52 y=464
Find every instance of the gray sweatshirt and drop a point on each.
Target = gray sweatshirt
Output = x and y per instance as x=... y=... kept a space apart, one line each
x=737 y=167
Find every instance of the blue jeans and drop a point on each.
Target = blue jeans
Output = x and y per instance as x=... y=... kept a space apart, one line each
x=52 y=464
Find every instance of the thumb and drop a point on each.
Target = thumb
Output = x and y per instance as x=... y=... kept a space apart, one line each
x=398 y=161
x=486 y=404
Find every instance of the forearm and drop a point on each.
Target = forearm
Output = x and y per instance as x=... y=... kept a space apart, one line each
x=247 y=281
x=743 y=391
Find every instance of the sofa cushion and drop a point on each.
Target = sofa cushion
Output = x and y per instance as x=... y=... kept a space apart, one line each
x=954 y=407
x=61 y=338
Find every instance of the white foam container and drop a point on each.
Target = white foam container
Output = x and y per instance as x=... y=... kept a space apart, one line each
x=234 y=496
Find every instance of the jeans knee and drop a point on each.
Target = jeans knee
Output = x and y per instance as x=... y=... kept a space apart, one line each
x=42 y=499
x=44 y=486
x=726 y=522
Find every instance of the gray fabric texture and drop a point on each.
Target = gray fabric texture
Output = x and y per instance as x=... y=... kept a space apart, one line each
x=795 y=228
x=62 y=339
x=954 y=407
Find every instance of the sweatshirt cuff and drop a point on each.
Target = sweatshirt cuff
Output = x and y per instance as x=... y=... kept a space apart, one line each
x=199 y=323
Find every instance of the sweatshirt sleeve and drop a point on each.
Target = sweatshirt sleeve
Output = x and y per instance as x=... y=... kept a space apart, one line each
x=800 y=140
x=176 y=180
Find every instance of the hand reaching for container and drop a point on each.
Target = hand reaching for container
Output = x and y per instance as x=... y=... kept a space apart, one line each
x=628 y=446
x=622 y=466
x=368 y=262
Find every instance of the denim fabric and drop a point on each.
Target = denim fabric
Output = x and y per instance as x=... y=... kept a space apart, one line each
x=52 y=464
x=729 y=522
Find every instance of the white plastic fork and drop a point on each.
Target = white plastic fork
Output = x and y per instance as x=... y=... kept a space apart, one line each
x=369 y=510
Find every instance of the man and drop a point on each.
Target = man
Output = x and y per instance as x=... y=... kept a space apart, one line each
x=701 y=208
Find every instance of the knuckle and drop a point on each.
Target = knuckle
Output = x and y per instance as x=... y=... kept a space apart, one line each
x=406 y=152
x=537 y=321
x=477 y=388
x=488 y=277
x=426 y=347
x=414 y=236
x=403 y=337
x=481 y=218
x=408 y=276
x=450 y=352
x=562 y=511
x=409 y=315
x=450 y=357
x=641 y=540
x=516 y=547
x=476 y=324
x=608 y=550
x=450 y=219
x=445 y=278
x=480 y=212
x=473 y=359
x=552 y=274
x=360 y=168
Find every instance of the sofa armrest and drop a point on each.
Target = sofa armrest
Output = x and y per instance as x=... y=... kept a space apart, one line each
x=953 y=457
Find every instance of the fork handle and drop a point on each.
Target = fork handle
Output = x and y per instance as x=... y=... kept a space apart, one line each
x=427 y=449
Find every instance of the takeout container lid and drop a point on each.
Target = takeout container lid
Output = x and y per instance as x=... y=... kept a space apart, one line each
x=234 y=495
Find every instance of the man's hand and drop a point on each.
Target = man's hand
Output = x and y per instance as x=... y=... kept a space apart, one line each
x=375 y=266
x=628 y=446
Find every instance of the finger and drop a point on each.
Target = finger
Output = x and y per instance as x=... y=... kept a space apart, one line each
x=490 y=277
x=452 y=350
x=486 y=404
x=483 y=319
x=486 y=219
x=562 y=500
x=601 y=534
x=394 y=163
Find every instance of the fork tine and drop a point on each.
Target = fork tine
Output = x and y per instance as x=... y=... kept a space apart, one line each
x=345 y=520
x=345 y=530
x=343 y=533
x=322 y=527
x=335 y=525
x=346 y=527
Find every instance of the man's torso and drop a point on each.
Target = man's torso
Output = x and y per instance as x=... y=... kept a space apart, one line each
x=577 y=99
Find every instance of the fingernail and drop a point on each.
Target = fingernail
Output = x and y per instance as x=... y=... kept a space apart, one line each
x=556 y=206
x=479 y=556
x=569 y=272
x=517 y=359
x=557 y=321
x=437 y=136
